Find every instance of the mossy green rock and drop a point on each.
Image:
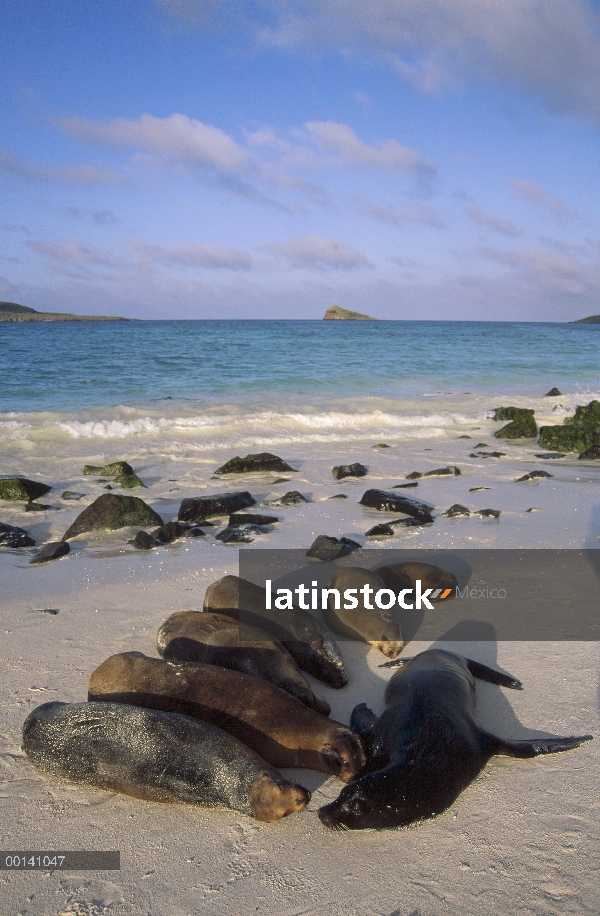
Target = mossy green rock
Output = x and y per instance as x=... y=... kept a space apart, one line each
x=263 y=461
x=111 y=511
x=578 y=433
x=522 y=423
x=22 y=488
x=128 y=481
x=115 y=469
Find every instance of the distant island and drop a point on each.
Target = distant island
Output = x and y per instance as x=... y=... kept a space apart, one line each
x=337 y=313
x=593 y=319
x=12 y=311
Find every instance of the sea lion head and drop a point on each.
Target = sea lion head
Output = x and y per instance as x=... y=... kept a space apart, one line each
x=371 y=802
x=344 y=754
x=271 y=798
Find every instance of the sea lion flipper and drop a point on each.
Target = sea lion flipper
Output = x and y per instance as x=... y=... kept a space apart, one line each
x=362 y=719
x=484 y=673
x=536 y=746
x=395 y=663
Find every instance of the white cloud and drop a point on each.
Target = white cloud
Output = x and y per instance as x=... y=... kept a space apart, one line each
x=13 y=164
x=536 y=194
x=551 y=269
x=75 y=253
x=191 y=254
x=318 y=251
x=177 y=138
x=349 y=149
x=547 y=47
x=497 y=223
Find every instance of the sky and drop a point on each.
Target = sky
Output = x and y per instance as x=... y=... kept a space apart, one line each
x=410 y=159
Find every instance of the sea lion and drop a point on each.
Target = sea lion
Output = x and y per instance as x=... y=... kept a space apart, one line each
x=158 y=756
x=426 y=747
x=404 y=575
x=217 y=639
x=271 y=722
x=372 y=624
x=304 y=637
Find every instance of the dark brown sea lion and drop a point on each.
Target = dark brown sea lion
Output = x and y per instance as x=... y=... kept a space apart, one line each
x=271 y=722
x=304 y=637
x=217 y=639
x=158 y=756
x=404 y=575
x=374 y=625
x=426 y=747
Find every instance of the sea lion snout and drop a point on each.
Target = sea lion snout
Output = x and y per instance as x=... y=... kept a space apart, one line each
x=344 y=755
x=270 y=800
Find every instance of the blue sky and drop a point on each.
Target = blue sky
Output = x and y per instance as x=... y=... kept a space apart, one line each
x=433 y=159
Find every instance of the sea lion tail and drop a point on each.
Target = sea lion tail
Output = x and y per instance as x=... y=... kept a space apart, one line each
x=536 y=746
x=484 y=673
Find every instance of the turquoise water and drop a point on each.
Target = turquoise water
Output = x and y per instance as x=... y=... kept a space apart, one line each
x=75 y=366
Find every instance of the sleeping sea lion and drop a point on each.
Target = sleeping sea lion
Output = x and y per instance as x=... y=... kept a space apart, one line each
x=372 y=624
x=217 y=639
x=426 y=747
x=404 y=575
x=270 y=721
x=304 y=637
x=158 y=756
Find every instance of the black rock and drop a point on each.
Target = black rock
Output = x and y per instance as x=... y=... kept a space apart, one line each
x=489 y=513
x=381 y=530
x=464 y=437
x=349 y=470
x=533 y=475
x=380 y=445
x=170 y=532
x=240 y=534
x=456 y=511
x=111 y=511
x=477 y=489
x=293 y=498
x=329 y=548
x=11 y=536
x=481 y=445
x=549 y=455
x=414 y=475
x=338 y=496
x=590 y=454
x=145 y=541
x=69 y=494
x=409 y=523
x=451 y=471
x=248 y=518
x=487 y=455
x=51 y=551
x=404 y=486
x=196 y=532
x=264 y=461
x=37 y=507
x=197 y=508
x=395 y=502
x=48 y=610
x=553 y=393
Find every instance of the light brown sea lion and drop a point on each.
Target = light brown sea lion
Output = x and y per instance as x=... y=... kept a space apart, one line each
x=271 y=722
x=158 y=756
x=372 y=624
x=217 y=639
x=404 y=575
x=305 y=638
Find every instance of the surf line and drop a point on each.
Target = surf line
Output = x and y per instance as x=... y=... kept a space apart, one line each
x=385 y=598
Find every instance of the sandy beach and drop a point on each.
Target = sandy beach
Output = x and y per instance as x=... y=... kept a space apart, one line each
x=521 y=839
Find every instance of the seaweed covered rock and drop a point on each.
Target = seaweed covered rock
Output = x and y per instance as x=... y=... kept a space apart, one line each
x=553 y=393
x=578 y=433
x=22 y=488
x=52 y=551
x=128 y=481
x=329 y=548
x=198 y=508
x=293 y=498
x=110 y=511
x=263 y=461
x=114 y=469
x=522 y=423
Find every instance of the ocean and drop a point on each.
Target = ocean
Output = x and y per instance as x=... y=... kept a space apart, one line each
x=191 y=387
